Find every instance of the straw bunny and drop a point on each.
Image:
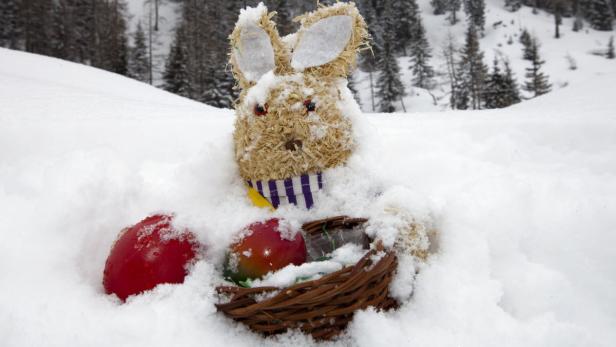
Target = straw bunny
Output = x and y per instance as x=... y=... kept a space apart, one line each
x=294 y=113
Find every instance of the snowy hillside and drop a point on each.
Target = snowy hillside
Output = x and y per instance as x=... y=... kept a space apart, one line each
x=500 y=26
x=524 y=199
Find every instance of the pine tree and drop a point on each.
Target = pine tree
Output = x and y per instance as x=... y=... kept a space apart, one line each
x=9 y=24
x=473 y=71
x=139 y=65
x=62 y=40
x=537 y=83
x=176 y=78
x=527 y=43
x=408 y=16
x=390 y=89
x=420 y=54
x=114 y=41
x=462 y=98
x=501 y=88
x=610 y=48
x=512 y=91
x=453 y=6
x=76 y=27
x=85 y=31
x=525 y=37
x=439 y=6
x=353 y=89
x=600 y=15
x=35 y=19
x=475 y=11
x=204 y=75
x=494 y=87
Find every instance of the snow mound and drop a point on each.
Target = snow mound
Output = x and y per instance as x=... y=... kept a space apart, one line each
x=524 y=199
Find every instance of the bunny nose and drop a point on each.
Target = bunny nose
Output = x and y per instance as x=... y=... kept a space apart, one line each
x=293 y=145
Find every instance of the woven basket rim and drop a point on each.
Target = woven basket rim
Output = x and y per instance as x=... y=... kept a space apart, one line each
x=321 y=307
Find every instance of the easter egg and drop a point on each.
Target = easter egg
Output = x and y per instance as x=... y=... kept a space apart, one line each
x=264 y=247
x=147 y=254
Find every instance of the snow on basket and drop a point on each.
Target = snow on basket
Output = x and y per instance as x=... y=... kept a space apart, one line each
x=321 y=307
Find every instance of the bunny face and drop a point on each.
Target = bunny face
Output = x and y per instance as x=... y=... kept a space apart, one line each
x=290 y=118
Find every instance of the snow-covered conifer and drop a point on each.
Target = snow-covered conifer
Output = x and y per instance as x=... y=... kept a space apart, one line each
x=600 y=15
x=527 y=42
x=408 y=14
x=472 y=70
x=353 y=89
x=537 y=82
x=420 y=56
x=9 y=24
x=35 y=21
x=139 y=64
x=176 y=78
x=114 y=46
x=512 y=90
x=389 y=88
x=501 y=88
x=475 y=12
x=610 y=48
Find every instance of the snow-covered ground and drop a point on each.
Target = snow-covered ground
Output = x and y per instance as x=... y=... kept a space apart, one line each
x=524 y=199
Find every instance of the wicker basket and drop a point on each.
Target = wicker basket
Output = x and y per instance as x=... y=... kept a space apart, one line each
x=321 y=307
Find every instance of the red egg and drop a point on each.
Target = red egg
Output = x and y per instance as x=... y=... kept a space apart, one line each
x=149 y=253
x=263 y=249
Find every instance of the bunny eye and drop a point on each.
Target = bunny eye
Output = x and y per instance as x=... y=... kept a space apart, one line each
x=260 y=110
x=310 y=105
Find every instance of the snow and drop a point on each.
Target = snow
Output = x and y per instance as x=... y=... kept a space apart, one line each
x=346 y=255
x=251 y=15
x=523 y=199
x=322 y=42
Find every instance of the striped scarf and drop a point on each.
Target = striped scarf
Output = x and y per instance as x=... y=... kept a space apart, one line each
x=298 y=190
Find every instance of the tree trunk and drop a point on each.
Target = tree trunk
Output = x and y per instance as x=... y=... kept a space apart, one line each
x=557 y=21
x=156 y=4
x=150 y=48
x=371 y=90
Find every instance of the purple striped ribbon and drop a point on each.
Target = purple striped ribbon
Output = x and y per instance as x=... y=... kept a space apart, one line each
x=297 y=190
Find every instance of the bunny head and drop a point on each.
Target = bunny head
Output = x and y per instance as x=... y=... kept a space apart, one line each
x=292 y=113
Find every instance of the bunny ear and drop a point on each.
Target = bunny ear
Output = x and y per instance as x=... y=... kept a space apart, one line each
x=329 y=40
x=322 y=42
x=254 y=53
x=256 y=47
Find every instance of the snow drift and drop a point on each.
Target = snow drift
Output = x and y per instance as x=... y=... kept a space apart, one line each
x=524 y=199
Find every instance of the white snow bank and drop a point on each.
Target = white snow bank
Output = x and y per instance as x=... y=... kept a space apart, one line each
x=524 y=198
